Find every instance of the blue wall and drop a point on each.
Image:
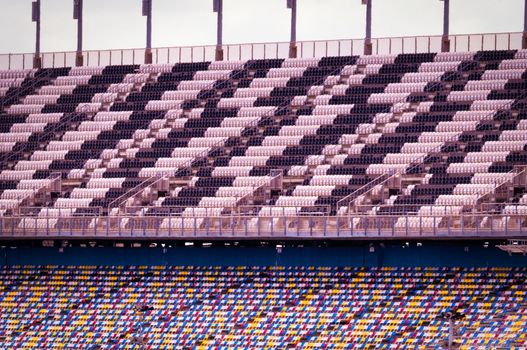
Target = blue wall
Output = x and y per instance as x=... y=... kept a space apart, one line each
x=392 y=254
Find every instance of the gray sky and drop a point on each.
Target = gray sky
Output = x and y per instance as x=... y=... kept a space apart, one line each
x=118 y=23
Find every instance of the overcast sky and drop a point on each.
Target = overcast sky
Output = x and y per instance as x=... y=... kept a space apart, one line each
x=118 y=23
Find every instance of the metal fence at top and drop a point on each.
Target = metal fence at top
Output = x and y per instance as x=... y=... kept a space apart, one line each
x=235 y=52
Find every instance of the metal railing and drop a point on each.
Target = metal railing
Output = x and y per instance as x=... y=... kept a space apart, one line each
x=416 y=164
x=306 y=49
x=379 y=180
x=502 y=185
x=462 y=225
x=203 y=156
x=131 y=193
x=46 y=136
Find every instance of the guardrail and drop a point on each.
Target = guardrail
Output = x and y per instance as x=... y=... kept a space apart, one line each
x=464 y=225
x=418 y=162
x=346 y=201
x=306 y=49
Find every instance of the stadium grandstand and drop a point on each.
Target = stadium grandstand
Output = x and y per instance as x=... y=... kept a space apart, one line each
x=337 y=194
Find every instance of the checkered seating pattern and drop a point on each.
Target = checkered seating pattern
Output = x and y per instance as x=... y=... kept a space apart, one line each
x=332 y=124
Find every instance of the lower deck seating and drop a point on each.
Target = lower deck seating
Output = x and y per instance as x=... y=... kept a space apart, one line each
x=171 y=307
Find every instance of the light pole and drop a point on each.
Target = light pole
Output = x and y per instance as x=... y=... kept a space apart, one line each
x=291 y=4
x=147 y=12
x=77 y=14
x=35 y=17
x=367 y=40
x=217 y=6
x=451 y=317
x=445 y=41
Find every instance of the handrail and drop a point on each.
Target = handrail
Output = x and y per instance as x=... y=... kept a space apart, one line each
x=7 y=157
x=133 y=191
x=502 y=183
x=97 y=212
x=266 y=182
x=23 y=90
x=362 y=190
x=243 y=51
x=496 y=185
x=28 y=211
x=317 y=210
x=188 y=165
x=22 y=197
x=420 y=160
x=464 y=225
x=432 y=209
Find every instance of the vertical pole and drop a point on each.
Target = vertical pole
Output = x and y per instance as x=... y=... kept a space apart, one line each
x=147 y=11
x=77 y=14
x=367 y=41
x=37 y=60
x=524 y=36
x=218 y=8
x=445 y=41
x=292 y=44
x=450 y=333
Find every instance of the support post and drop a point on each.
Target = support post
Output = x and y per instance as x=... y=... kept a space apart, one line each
x=77 y=14
x=450 y=333
x=293 y=51
x=445 y=41
x=218 y=8
x=35 y=16
x=368 y=47
x=147 y=12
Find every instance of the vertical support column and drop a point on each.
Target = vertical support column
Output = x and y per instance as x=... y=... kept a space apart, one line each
x=218 y=8
x=524 y=36
x=445 y=41
x=368 y=48
x=147 y=12
x=35 y=17
x=450 y=333
x=77 y=14
x=293 y=51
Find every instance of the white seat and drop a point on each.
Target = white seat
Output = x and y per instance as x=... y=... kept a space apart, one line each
x=212 y=75
x=269 y=82
x=228 y=171
x=286 y=72
x=311 y=190
x=173 y=162
x=28 y=127
x=156 y=68
x=96 y=125
x=181 y=223
x=180 y=95
x=330 y=180
x=218 y=202
x=44 y=118
x=248 y=161
x=223 y=132
x=154 y=105
x=250 y=181
x=253 y=92
x=291 y=201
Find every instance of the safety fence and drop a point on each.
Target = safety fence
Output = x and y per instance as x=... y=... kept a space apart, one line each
x=293 y=226
x=270 y=50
